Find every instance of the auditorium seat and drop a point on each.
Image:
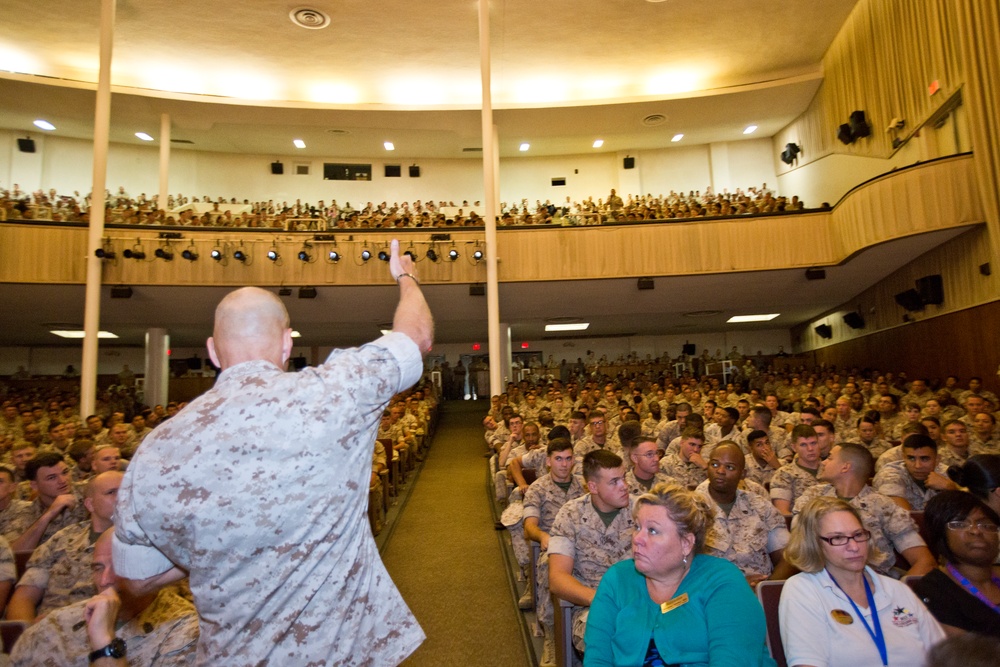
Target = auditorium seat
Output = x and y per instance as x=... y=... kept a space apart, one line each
x=769 y=594
x=562 y=612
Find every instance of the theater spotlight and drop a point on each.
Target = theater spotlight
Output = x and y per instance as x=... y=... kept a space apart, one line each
x=136 y=252
x=105 y=253
x=304 y=255
x=273 y=255
x=240 y=255
x=333 y=256
x=164 y=254
x=411 y=253
x=383 y=255
x=432 y=254
x=477 y=254
x=217 y=255
x=366 y=254
x=189 y=253
x=453 y=254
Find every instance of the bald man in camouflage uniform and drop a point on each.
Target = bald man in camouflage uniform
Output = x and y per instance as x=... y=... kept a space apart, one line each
x=258 y=489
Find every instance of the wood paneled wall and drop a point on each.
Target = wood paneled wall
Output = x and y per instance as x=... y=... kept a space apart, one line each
x=963 y=343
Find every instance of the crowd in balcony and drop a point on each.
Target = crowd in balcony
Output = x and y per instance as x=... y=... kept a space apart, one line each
x=121 y=207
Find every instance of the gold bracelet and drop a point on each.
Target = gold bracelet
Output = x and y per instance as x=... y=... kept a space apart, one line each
x=410 y=275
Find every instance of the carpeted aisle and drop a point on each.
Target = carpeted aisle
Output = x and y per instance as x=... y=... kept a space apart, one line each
x=444 y=555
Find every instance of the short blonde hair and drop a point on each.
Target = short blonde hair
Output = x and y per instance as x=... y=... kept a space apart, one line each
x=689 y=510
x=805 y=549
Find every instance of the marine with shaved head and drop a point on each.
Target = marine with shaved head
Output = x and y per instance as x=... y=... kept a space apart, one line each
x=258 y=489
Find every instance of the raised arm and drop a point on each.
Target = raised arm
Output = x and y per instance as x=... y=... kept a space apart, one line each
x=413 y=316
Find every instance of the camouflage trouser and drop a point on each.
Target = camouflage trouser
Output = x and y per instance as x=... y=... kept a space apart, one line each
x=521 y=550
x=502 y=486
x=579 y=626
x=543 y=605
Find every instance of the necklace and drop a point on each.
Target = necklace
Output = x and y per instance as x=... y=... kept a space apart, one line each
x=967 y=585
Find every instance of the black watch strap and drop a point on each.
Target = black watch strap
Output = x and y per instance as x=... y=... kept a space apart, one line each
x=116 y=649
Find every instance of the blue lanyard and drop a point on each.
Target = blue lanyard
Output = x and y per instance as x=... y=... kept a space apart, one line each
x=876 y=635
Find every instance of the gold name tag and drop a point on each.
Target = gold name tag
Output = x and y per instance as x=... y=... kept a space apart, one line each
x=670 y=605
x=841 y=617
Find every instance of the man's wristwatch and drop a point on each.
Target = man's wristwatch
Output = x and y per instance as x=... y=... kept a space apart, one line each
x=116 y=649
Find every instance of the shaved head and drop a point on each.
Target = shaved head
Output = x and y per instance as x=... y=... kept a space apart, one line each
x=250 y=324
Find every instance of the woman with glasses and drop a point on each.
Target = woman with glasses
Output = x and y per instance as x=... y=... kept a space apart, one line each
x=839 y=612
x=964 y=592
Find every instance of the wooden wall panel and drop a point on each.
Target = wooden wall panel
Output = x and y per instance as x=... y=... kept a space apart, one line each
x=963 y=343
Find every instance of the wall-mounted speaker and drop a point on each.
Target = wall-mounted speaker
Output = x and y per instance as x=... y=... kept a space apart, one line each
x=854 y=320
x=689 y=349
x=815 y=274
x=984 y=269
x=824 y=331
x=859 y=125
x=414 y=171
x=277 y=168
x=477 y=289
x=645 y=283
x=628 y=163
x=844 y=134
x=910 y=300
x=26 y=145
x=393 y=171
x=931 y=289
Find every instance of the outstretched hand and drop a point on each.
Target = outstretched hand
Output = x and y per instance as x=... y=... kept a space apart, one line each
x=399 y=264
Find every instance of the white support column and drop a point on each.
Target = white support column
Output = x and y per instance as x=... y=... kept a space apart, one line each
x=490 y=188
x=102 y=129
x=157 y=380
x=164 y=161
x=506 y=359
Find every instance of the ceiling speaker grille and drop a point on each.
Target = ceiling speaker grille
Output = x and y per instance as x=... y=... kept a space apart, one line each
x=654 y=119
x=312 y=19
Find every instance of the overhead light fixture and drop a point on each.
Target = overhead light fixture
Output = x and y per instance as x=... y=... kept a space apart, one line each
x=164 y=254
x=389 y=146
x=525 y=146
x=366 y=254
x=189 y=253
x=296 y=334
x=299 y=143
x=453 y=254
x=143 y=136
x=307 y=292
x=736 y=319
x=598 y=143
x=750 y=129
x=677 y=137
x=386 y=332
x=240 y=255
x=432 y=254
x=44 y=125
x=75 y=333
x=576 y=326
x=272 y=254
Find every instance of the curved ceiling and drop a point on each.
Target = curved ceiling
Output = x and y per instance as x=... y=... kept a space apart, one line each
x=425 y=55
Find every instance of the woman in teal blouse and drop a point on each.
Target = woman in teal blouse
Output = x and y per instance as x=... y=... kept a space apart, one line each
x=670 y=604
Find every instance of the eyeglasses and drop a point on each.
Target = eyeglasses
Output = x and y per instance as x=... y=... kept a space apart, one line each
x=840 y=540
x=981 y=525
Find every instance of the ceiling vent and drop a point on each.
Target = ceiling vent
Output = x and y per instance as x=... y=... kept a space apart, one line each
x=338 y=131
x=472 y=150
x=181 y=141
x=654 y=119
x=311 y=19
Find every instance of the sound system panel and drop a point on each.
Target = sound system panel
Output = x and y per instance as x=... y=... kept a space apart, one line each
x=414 y=171
x=628 y=163
x=277 y=168
x=26 y=145
x=815 y=274
x=477 y=289
x=645 y=283
x=393 y=171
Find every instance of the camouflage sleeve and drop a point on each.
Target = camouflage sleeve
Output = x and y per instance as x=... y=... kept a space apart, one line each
x=889 y=482
x=36 y=572
x=8 y=571
x=899 y=527
x=532 y=502
x=781 y=485
x=376 y=376
x=134 y=555
x=777 y=530
x=562 y=537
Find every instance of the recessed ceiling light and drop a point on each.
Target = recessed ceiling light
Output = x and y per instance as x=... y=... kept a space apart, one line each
x=750 y=129
x=389 y=146
x=598 y=143
x=76 y=333
x=299 y=143
x=143 y=136
x=735 y=319
x=44 y=124
x=525 y=146
x=296 y=334
x=677 y=137
x=386 y=332
x=579 y=326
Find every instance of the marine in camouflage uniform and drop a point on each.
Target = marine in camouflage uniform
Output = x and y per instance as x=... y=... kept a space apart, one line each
x=790 y=481
x=683 y=472
x=637 y=487
x=60 y=568
x=748 y=534
x=258 y=488
x=579 y=533
x=164 y=634
x=895 y=480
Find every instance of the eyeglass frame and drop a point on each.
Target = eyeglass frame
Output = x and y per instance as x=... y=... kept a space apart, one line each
x=983 y=526
x=860 y=537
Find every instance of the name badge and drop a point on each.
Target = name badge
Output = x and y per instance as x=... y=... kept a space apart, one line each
x=842 y=617
x=670 y=605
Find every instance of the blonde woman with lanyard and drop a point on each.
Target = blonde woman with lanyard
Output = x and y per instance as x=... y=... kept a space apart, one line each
x=840 y=613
